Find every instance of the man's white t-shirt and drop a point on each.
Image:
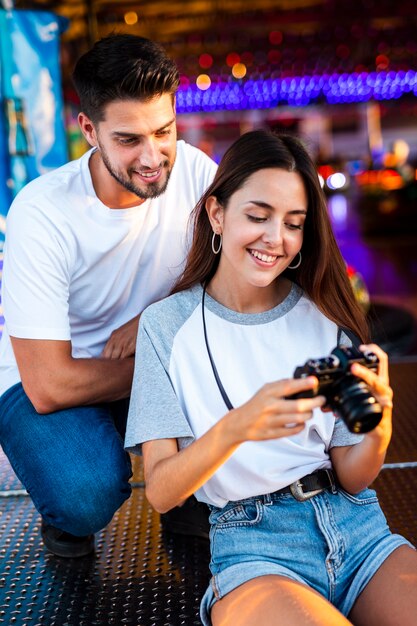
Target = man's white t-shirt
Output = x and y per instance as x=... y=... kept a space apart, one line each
x=75 y=269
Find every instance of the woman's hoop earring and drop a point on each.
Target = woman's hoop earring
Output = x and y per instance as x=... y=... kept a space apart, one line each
x=216 y=250
x=294 y=267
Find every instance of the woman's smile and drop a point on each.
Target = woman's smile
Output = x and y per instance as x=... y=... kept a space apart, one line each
x=263 y=258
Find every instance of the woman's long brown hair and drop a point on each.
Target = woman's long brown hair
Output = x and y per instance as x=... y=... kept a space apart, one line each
x=322 y=274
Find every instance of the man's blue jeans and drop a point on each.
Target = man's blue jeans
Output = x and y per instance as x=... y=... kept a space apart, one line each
x=72 y=462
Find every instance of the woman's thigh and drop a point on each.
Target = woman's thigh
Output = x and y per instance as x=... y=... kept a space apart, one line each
x=270 y=600
x=390 y=597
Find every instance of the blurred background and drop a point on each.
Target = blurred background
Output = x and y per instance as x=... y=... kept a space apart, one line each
x=341 y=74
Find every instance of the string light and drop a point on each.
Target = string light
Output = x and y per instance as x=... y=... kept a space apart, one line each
x=207 y=95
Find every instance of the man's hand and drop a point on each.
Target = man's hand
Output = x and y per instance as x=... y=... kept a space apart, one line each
x=122 y=341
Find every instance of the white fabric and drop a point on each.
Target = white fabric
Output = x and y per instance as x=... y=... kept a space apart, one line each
x=76 y=270
x=175 y=393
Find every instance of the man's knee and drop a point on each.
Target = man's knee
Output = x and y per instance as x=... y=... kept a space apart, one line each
x=89 y=509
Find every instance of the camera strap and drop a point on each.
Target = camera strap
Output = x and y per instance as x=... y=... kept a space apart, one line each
x=213 y=365
x=356 y=342
x=349 y=333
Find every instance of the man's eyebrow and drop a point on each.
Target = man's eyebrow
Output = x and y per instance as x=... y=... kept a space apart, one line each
x=265 y=205
x=121 y=133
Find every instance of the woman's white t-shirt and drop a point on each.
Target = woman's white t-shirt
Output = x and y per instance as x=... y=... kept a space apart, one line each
x=175 y=394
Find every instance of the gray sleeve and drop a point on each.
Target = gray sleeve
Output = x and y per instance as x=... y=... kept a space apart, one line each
x=342 y=436
x=154 y=411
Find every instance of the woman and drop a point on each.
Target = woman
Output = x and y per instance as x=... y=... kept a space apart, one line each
x=296 y=536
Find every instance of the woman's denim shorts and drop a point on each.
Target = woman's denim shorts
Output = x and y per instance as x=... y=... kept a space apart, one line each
x=333 y=543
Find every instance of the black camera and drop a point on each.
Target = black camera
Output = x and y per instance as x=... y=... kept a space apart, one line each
x=348 y=396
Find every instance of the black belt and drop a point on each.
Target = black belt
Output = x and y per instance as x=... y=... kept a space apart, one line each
x=310 y=485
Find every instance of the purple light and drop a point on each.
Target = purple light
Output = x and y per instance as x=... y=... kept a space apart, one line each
x=296 y=91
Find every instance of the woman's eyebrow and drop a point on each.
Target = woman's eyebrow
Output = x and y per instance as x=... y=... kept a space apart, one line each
x=259 y=203
x=265 y=205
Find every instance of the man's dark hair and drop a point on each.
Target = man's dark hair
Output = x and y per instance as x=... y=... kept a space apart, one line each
x=122 y=67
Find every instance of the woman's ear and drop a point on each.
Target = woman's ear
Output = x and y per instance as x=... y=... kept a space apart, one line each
x=215 y=214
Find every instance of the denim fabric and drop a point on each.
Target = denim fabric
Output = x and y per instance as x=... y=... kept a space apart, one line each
x=72 y=462
x=333 y=543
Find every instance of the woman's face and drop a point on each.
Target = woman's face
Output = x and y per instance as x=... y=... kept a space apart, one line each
x=262 y=227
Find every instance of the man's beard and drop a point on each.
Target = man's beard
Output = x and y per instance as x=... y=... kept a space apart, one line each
x=152 y=190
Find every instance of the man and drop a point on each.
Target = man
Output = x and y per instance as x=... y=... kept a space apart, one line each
x=88 y=247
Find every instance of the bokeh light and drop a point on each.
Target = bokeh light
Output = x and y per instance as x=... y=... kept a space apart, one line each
x=239 y=70
x=336 y=181
x=205 y=60
x=232 y=58
x=381 y=62
x=130 y=18
x=203 y=82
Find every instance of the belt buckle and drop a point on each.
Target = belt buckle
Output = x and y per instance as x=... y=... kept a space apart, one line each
x=298 y=493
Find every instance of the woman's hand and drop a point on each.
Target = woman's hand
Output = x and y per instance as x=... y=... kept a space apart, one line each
x=268 y=415
x=378 y=383
x=357 y=466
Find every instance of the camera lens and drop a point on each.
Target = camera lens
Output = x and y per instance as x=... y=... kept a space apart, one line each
x=354 y=403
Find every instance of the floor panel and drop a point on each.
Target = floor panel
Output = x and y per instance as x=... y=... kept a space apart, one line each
x=138 y=576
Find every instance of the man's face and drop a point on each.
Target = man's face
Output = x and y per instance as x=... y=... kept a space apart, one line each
x=137 y=144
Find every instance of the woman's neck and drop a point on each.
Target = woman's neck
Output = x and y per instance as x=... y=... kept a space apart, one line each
x=252 y=299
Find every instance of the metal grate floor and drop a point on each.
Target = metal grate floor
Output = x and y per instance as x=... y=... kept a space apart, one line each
x=140 y=575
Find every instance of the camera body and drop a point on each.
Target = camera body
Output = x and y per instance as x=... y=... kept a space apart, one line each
x=348 y=396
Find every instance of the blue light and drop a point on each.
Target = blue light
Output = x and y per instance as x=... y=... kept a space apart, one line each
x=338 y=209
x=297 y=91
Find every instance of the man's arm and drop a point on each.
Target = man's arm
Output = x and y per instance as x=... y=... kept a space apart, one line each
x=54 y=380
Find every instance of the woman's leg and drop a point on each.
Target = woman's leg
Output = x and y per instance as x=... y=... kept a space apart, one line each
x=275 y=600
x=72 y=462
x=390 y=597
